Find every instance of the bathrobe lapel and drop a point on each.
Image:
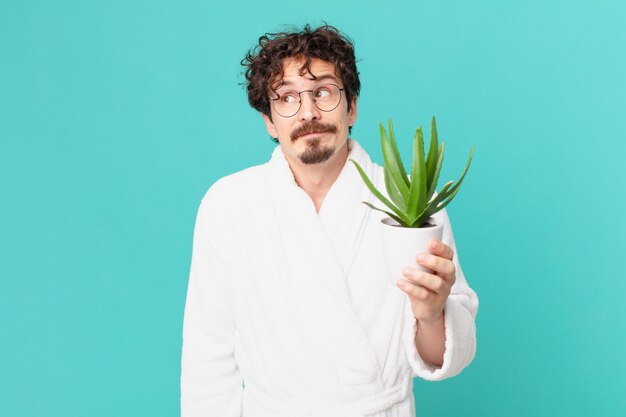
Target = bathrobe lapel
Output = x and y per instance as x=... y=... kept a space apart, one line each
x=319 y=250
x=343 y=214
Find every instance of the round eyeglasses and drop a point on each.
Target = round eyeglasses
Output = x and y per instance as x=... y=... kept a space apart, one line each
x=326 y=98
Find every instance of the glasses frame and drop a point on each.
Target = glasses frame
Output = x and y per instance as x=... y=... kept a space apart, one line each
x=314 y=102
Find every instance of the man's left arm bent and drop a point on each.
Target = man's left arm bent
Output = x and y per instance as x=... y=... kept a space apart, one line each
x=442 y=312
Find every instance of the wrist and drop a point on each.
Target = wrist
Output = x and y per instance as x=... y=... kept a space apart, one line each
x=431 y=322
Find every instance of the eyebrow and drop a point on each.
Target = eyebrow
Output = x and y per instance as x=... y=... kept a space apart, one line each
x=322 y=77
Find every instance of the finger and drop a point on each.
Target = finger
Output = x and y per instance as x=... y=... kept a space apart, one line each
x=441 y=249
x=434 y=283
x=414 y=290
x=437 y=264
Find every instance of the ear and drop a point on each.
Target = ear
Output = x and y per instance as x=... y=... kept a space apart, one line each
x=352 y=113
x=271 y=129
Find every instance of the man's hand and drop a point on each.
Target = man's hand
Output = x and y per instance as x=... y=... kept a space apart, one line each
x=428 y=292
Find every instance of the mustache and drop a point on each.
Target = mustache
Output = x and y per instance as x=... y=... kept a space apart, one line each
x=312 y=127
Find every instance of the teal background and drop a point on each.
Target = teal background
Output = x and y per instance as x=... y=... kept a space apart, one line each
x=115 y=117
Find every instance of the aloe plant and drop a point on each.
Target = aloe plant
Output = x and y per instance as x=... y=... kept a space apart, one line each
x=413 y=198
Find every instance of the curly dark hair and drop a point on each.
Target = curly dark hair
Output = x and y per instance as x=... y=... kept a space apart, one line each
x=264 y=63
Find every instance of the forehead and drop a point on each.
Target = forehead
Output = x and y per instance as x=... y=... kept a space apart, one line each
x=318 y=68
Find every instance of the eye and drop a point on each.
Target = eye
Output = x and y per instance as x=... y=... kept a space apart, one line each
x=288 y=97
x=323 y=92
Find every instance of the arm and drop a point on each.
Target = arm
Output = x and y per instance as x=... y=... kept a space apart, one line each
x=430 y=340
x=210 y=381
x=440 y=331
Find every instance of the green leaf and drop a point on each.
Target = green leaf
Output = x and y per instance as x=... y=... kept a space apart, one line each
x=460 y=180
x=391 y=162
x=441 y=195
x=451 y=193
x=396 y=153
x=377 y=193
x=417 y=191
x=433 y=151
x=431 y=206
x=393 y=192
x=396 y=218
x=446 y=201
x=433 y=181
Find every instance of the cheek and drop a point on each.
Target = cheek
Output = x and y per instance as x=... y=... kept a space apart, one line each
x=283 y=129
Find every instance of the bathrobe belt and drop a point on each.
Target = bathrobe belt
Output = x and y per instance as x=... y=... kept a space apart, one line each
x=361 y=408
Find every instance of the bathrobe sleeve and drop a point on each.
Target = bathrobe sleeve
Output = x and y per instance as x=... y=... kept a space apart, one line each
x=459 y=315
x=211 y=384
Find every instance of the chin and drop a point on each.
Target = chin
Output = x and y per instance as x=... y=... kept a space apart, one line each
x=316 y=154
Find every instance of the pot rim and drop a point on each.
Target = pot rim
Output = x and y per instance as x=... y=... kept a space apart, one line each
x=387 y=220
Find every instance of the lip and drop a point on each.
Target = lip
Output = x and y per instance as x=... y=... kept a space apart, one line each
x=312 y=135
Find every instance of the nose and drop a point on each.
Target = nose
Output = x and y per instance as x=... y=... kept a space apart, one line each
x=308 y=109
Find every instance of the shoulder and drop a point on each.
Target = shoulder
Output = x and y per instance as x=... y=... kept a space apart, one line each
x=237 y=186
x=229 y=197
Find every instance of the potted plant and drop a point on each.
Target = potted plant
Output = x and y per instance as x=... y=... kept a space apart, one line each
x=412 y=199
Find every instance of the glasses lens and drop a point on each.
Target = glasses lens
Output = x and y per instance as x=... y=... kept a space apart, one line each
x=287 y=104
x=325 y=97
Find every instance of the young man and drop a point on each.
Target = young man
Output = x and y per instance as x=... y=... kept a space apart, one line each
x=288 y=310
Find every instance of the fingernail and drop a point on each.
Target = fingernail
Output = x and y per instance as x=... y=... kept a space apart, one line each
x=406 y=271
x=434 y=245
x=400 y=283
x=421 y=257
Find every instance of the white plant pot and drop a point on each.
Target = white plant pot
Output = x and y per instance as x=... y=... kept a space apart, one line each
x=402 y=244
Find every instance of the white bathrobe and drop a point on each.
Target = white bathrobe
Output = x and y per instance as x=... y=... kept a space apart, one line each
x=289 y=312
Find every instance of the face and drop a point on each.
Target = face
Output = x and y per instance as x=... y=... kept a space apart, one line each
x=311 y=136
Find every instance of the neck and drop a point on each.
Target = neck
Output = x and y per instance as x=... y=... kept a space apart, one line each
x=316 y=179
